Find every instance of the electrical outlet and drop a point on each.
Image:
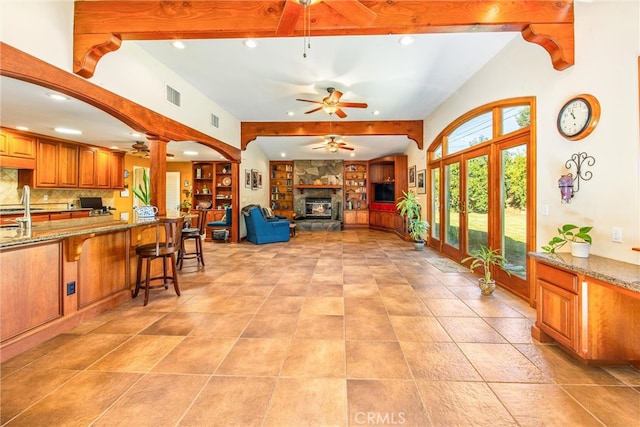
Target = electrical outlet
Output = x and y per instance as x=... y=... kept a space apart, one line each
x=71 y=288
x=616 y=234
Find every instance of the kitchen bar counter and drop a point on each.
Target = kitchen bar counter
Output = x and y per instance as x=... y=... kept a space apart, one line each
x=611 y=271
x=62 y=272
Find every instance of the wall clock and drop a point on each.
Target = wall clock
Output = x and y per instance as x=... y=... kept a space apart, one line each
x=578 y=117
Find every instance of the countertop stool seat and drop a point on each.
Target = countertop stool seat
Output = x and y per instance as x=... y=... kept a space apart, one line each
x=193 y=233
x=165 y=247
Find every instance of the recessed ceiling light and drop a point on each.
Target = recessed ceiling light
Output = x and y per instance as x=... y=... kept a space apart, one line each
x=178 y=44
x=290 y=113
x=22 y=128
x=283 y=154
x=375 y=113
x=114 y=147
x=406 y=40
x=57 y=96
x=68 y=131
x=190 y=153
x=352 y=154
x=135 y=134
x=250 y=43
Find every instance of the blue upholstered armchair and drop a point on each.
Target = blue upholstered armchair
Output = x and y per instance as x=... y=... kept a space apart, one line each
x=261 y=230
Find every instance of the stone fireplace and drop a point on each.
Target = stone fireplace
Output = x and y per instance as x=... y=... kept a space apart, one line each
x=329 y=172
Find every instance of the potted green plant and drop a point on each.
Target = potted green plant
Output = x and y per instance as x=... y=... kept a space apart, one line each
x=410 y=207
x=485 y=258
x=143 y=193
x=578 y=237
x=417 y=230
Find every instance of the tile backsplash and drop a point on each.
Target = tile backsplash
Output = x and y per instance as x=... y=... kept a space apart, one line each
x=10 y=193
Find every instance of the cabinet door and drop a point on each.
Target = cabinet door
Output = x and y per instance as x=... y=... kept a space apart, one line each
x=68 y=165
x=59 y=215
x=349 y=217
x=558 y=313
x=4 y=143
x=22 y=146
x=103 y=169
x=47 y=164
x=87 y=167
x=117 y=170
x=362 y=217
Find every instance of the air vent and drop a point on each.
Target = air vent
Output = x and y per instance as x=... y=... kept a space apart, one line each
x=215 y=121
x=173 y=96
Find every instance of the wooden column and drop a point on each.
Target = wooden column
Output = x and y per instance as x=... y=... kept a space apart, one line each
x=158 y=172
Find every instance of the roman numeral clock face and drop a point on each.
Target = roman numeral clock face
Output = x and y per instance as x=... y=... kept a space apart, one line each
x=578 y=117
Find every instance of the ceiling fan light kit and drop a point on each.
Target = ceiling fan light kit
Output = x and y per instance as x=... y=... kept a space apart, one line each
x=331 y=104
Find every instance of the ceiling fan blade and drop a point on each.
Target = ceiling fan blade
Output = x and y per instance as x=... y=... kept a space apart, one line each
x=341 y=113
x=334 y=96
x=289 y=18
x=317 y=148
x=353 y=104
x=308 y=100
x=354 y=11
x=347 y=148
x=313 y=111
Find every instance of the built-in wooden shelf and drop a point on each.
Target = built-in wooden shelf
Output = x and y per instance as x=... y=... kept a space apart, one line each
x=303 y=187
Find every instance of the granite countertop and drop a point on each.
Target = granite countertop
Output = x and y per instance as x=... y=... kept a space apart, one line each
x=618 y=273
x=34 y=211
x=61 y=229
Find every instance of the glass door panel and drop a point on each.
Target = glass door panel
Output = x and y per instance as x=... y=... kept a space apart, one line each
x=477 y=203
x=514 y=208
x=452 y=211
x=435 y=203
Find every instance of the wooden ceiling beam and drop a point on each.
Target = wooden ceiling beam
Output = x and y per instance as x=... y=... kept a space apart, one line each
x=100 y=26
x=413 y=129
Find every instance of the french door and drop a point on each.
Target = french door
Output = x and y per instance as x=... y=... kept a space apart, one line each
x=480 y=198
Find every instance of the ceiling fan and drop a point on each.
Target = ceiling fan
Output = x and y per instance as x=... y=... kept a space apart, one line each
x=333 y=146
x=352 y=10
x=140 y=149
x=331 y=104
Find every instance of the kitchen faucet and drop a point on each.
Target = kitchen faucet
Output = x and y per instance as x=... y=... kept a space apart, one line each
x=25 y=221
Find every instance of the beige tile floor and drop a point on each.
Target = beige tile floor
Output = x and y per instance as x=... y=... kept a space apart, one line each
x=331 y=329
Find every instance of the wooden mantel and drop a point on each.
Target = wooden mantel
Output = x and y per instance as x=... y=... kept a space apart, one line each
x=100 y=26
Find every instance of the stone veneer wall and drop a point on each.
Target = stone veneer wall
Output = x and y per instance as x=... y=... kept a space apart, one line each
x=329 y=172
x=11 y=193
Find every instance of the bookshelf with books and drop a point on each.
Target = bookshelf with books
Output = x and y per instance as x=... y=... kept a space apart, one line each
x=356 y=201
x=212 y=186
x=281 y=185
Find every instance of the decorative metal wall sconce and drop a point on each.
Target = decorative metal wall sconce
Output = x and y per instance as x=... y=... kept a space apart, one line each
x=568 y=184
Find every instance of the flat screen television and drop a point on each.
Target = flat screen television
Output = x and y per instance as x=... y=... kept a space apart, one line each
x=384 y=192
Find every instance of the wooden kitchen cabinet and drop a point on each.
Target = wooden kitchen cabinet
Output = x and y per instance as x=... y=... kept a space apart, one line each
x=56 y=164
x=116 y=169
x=592 y=319
x=103 y=169
x=356 y=217
x=87 y=167
x=16 y=144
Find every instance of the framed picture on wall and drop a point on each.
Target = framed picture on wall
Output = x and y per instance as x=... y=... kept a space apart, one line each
x=247 y=178
x=254 y=179
x=412 y=176
x=421 y=179
x=259 y=179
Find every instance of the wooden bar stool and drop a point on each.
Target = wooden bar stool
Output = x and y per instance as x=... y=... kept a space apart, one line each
x=165 y=247
x=193 y=233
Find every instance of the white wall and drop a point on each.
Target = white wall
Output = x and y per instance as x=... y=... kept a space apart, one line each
x=607 y=48
x=254 y=158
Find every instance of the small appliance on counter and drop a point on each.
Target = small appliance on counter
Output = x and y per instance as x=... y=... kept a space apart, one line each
x=95 y=204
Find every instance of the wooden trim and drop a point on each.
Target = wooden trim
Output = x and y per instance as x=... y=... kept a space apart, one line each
x=100 y=26
x=413 y=129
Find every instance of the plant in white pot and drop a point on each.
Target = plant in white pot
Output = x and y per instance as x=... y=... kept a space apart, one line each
x=578 y=237
x=143 y=193
x=485 y=258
